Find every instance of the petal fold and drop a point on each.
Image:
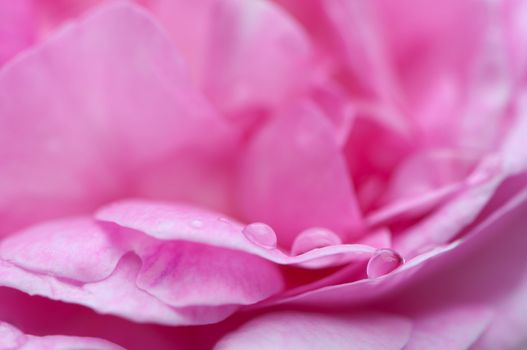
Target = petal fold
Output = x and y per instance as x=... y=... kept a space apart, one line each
x=119 y=271
x=12 y=339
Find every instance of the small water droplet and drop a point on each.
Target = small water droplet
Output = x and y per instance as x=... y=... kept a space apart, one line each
x=222 y=219
x=313 y=238
x=196 y=223
x=260 y=234
x=383 y=261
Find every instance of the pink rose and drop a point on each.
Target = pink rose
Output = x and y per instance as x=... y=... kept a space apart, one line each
x=253 y=174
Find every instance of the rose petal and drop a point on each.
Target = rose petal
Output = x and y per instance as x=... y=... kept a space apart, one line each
x=258 y=56
x=514 y=13
x=12 y=338
x=449 y=329
x=483 y=239
x=42 y=316
x=171 y=221
x=16 y=27
x=350 y=34
x=512 y=148
x=421 y=182
x=189 y=25
x=293 y=177
x=304 y=330
x=508 y=327
x=83 y=114
x=77 y=249
x=119 y=271
x=446 y=222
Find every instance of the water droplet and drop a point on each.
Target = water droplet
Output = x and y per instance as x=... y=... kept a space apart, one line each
x=383 y=261
x=260 y=234
x=314 y=238
x=196 y=223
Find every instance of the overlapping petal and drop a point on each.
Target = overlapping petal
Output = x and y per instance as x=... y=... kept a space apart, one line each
x=440 y=328
x=479 y=281
x=120 y=271
x=87 y=114
x=11 y=338
x=105 y=109
x=41 y=316
x=294 y=177
x=258 y=57
x=172 y=221
x=300 y=330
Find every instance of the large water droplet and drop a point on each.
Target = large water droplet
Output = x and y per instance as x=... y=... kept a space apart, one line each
x=383 y=261
x=260 y=234
x=314 y=238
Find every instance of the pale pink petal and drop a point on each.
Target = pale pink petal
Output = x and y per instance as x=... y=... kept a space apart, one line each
x=77 y=249
x=514 y=14
x=12 y=339
x=118 y=271
x=495 y=245
x=86 y=113
x=17 y=27
x=172 y=221
x=449 y=220
x=454 y=298
x=426 y=171
x=351 y=38
x=513 y=147
x=258 y=57
x=421 y=182
x=41 y=316
x=480 y=285
x=457 y=328
x=426 y=41
x=304 y=330
x=293 y=177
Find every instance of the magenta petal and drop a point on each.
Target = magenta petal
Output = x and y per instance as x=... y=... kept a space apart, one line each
x=293 y=177
x=304 y=330
x=83 y=114
x=12 y=339
x=189 y=25
x=17 y=27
